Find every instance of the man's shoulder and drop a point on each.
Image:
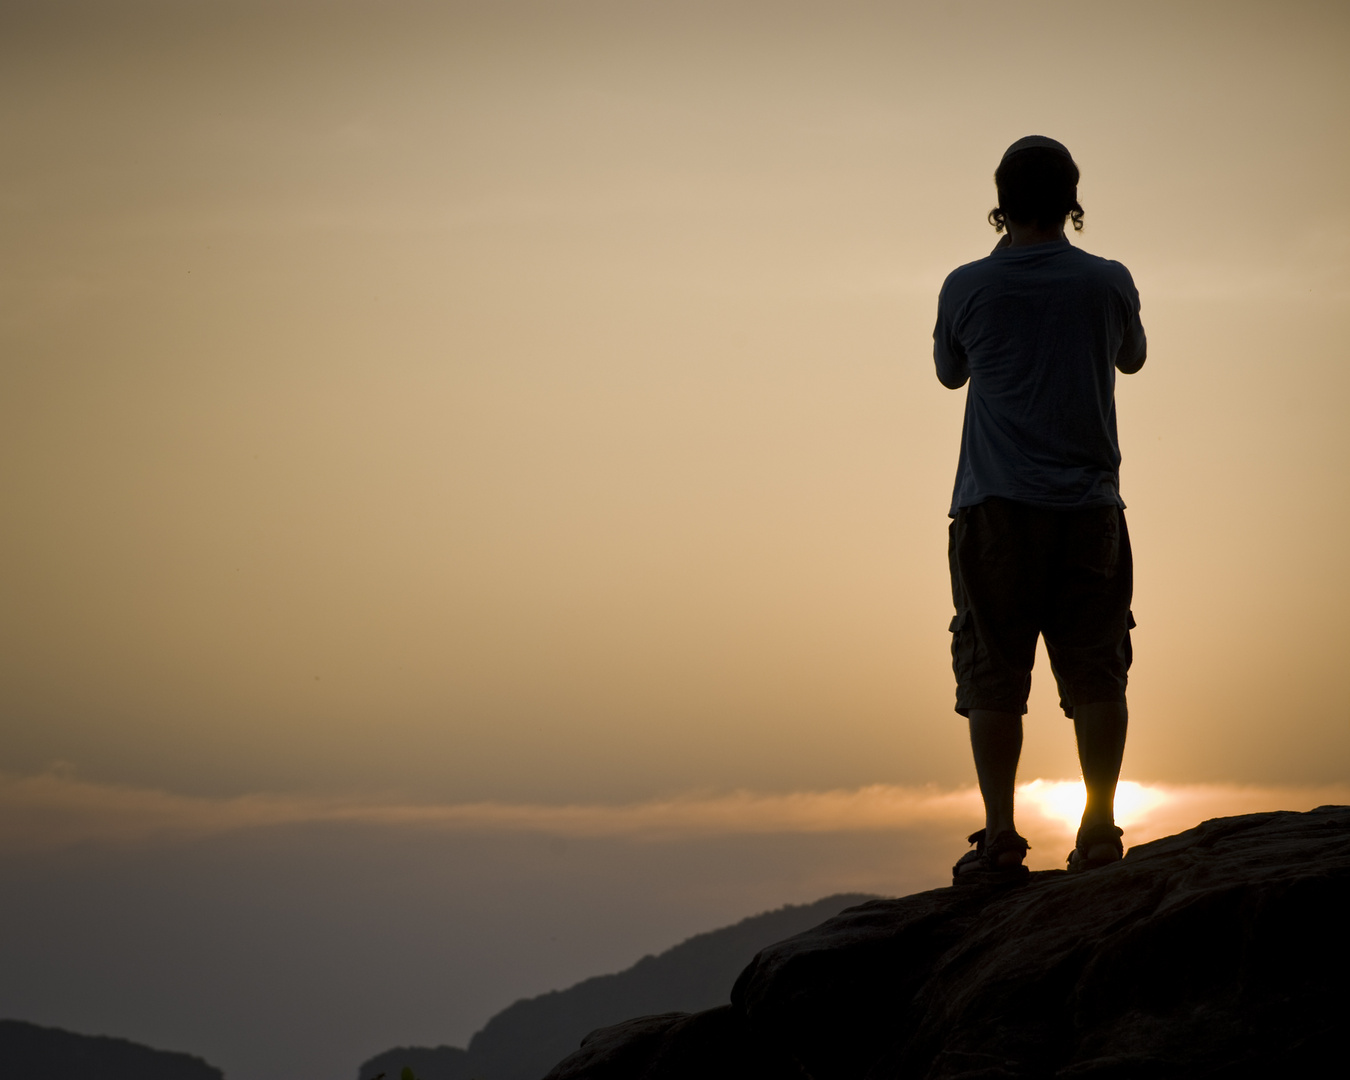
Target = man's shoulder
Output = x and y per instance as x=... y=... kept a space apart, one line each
x=1064 y=260
x=1108 y=269
x=968 y=276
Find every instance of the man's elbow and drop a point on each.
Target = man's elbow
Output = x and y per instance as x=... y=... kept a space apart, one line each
x=1129 y=367
x=953 y=380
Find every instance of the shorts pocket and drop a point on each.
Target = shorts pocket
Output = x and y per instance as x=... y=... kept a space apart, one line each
x=963 y=649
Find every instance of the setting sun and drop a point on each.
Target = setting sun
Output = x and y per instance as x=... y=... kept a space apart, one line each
x=1062 y=801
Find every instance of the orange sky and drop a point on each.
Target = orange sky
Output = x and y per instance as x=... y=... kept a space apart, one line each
x=536 y=401
x=533 y=404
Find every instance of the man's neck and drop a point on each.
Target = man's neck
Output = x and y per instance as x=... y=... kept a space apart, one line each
x=1026 y=235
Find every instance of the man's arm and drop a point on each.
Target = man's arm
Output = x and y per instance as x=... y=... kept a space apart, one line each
x=948 y=355
x=1133 y=346
x=1130 y=367
x=951 y=372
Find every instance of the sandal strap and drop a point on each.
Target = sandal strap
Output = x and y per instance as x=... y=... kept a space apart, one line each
x=984 y=858
x=1007 y=841
x=1093 y=835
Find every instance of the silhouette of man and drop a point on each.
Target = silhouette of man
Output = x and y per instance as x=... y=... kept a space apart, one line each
x=1038 y=543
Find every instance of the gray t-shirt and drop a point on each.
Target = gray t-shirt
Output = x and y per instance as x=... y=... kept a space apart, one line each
x=1039 y=331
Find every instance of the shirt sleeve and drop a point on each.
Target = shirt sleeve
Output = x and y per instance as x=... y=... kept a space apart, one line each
x=950 y=358
x=1134 y=345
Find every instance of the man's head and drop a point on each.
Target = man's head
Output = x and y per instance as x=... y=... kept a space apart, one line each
x=1037 y=183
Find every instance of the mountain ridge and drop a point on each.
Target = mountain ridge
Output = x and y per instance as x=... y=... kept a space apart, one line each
x=33 y=1052
x=525 y=1039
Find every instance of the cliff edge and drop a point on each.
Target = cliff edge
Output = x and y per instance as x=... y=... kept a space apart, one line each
x=1219 y=952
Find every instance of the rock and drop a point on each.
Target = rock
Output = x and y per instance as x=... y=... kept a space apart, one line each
x=712 y=1045
x=1219 y=952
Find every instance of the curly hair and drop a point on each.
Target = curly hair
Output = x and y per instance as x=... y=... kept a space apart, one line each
x=1036 y=186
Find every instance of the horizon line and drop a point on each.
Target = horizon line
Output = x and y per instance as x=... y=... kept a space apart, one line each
x=55 y=809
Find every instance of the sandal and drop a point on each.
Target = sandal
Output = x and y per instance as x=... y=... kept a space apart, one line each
x=1095 y=836
x=981 y=866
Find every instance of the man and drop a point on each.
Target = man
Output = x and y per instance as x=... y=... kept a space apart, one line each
x=1038 y=543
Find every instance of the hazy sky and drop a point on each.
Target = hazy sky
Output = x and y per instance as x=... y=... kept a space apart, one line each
x=427 y=404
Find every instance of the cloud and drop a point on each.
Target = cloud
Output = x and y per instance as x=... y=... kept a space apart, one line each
x=58 y=809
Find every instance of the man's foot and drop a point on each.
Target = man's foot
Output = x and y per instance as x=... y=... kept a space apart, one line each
x=996 y=863
x=1097 y=845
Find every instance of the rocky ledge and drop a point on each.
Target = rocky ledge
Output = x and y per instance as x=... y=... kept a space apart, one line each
x=1223 y=951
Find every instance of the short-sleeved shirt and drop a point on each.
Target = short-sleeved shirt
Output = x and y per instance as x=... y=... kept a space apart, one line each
x=1038 y=331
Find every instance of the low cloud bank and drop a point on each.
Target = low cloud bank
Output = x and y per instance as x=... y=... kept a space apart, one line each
x=58 y=809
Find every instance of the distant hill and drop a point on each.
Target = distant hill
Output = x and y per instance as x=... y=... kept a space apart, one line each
x=30 y=1052
x=426 y=1062
x=525 y=1040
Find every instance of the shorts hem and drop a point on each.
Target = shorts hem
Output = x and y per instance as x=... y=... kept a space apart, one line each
x=964 y=707
x=1115 y=697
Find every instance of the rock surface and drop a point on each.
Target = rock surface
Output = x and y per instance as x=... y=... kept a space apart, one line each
x=1222 y=951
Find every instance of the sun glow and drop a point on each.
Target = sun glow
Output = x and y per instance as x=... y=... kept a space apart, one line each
x=1062 y=801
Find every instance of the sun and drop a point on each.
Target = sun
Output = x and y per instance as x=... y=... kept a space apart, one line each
x=1062 y=801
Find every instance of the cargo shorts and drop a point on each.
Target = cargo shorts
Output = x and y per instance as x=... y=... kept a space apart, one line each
x=1021 y=571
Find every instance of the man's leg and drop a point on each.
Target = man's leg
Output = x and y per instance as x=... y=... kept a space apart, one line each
x=996 y=554
x=996 y=741
x=1087 y=635
x=1100 y=728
